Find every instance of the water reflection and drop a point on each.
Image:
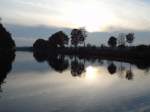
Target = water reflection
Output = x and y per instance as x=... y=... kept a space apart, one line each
x=80 y=66
x=6 y=60
x=112 y=68
x=77 y=68
x=96 y=83
x=58 y=62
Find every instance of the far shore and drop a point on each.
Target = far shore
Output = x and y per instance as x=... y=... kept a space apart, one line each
x=130 y=54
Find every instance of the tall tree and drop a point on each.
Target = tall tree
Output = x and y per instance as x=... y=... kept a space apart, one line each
x=6 y=41
x=130 y=38
x=112 y=42
x=78 y=36
x=121 y=39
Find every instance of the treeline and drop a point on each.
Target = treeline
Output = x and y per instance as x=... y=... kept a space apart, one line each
x=78 y=37
x=60 y=39
x=117 y=46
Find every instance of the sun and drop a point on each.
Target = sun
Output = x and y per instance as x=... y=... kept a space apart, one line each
x=94 y=16
x=91 y=73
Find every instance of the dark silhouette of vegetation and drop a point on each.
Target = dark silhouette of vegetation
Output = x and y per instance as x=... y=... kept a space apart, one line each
x=6 y=60
x=129 y=75
x=129 y=38
x=6 y=41
x=55 y=61
x=40 y=56
x=40 y=45
x=112 y=42
x=58 y=39
x=112 y=68
x=78 y=36
x=58 y=62
x=7 y=53
x=77 y=68
x=54 y=51
x=121 y=40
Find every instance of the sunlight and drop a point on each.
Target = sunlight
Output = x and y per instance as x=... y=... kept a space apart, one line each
x=91 y=15
x=91 y=73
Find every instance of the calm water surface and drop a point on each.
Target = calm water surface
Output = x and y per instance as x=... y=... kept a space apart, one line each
x=86 y=86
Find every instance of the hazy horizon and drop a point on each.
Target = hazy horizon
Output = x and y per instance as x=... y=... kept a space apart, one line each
x=27 y=35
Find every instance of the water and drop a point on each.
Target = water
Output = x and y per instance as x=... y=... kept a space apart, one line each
x=86 y=86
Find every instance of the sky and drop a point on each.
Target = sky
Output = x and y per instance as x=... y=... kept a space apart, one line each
x=94 y=15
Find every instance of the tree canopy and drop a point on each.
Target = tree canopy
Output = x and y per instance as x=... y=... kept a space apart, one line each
x=130 y=37
x=59 y=39
x=112 y=42
x=6 y=41
x=78 y=36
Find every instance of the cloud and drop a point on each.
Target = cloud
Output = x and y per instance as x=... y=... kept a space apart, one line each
x=96 y=15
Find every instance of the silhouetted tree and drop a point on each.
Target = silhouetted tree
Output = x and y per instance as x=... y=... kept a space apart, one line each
x=40 y=45
x=112 y=68
x=84 y=34
x=112 y=42
x=121 y=40
x=59 y=39
x=6 y=41
x=129 y=38
x=78 y=36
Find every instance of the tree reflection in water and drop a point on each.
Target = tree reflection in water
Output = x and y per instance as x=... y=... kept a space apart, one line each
x=129 y=74
x=61 y=63
x=58 y=62
x=77 y=68
x=112 y=68
x=6 y=60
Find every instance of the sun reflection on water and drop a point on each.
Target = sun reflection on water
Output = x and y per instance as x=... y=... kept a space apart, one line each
x=91 y=73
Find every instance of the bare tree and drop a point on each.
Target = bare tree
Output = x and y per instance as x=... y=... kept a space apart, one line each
x=121 y=39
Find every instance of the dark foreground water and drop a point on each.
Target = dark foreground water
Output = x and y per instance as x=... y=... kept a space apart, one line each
x=73 y=85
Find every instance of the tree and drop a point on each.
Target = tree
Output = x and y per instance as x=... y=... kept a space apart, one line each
x=59 y=39
x=84 y=34
x=112 y=42
x=78 y=36
x=130 y=38
x=121 y=39
x=40 y=45
x=6 y=41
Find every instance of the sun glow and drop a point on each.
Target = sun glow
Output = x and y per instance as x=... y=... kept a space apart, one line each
x=91 y=73
x=91 y=15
